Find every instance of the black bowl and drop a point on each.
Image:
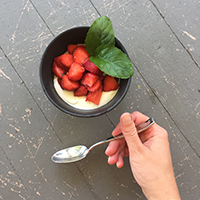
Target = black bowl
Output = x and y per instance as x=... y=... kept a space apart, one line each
x=57 y=47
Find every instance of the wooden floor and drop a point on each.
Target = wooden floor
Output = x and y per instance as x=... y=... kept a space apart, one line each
x=162 y=38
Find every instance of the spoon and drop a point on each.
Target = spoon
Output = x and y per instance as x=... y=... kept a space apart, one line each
x=76 y=153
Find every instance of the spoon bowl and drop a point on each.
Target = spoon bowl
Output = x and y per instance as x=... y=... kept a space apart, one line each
x=71 y=154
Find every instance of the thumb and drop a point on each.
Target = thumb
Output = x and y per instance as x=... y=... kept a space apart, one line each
x=130 y=133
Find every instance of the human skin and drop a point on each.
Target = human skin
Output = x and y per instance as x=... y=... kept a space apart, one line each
x=149 y=156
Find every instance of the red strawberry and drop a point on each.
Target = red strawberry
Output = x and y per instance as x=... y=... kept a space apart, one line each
x=76 y=71
x=60 y=81
x=67 y=84
x=80 y=55
x=91 y=67
x=57 y=70
x=95 y=87
x=59 y=63
x=94 y=96
x=81 y=91
x=66 y=59
x=71 y=47
x=89 y=79
x=110 y=83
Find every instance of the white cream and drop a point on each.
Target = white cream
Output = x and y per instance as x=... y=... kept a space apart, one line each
x=80 y=102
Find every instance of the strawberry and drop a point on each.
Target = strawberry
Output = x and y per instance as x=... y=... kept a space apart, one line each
x=91 y=67
x=60 y=81
x=76 y=71
x=66 y=59
x=89 y=79
x=59 y=63
x=95 y=87
x=80 y=55
x=110 y=83
x=94 y=96
x=81 y=91
x=67 y=84
x=71 y=47
x=57 y=70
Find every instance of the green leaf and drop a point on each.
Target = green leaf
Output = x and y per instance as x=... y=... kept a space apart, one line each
x=100 y=33
x=113 y=62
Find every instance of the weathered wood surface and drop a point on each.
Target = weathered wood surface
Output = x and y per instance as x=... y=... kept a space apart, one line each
x=162 y=39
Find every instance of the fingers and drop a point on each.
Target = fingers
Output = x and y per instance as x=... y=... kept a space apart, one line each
x=117 y=130
x=118 y=149
x=120 y=161
x=112 y=148
x=116 y=155
x=130 y=132
x=136 y=116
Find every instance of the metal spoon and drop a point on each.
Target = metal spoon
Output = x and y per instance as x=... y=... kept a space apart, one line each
x=76 y=153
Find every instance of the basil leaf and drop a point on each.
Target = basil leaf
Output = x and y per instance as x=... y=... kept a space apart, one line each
x=100 y=33
x=113 y=62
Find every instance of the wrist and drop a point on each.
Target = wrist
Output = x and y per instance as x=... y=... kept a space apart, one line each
x=164 y=191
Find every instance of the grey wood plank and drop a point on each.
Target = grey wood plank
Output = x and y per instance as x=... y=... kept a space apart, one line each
x=27 y=142
x=163 y=85
x=10 y=183
x=39 y=129
x=161 y=60
x=183 y=18
x=24 y=54
x=185 y=160
x=62 y=15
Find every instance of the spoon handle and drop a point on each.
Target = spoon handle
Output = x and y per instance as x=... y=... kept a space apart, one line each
x=140 y=128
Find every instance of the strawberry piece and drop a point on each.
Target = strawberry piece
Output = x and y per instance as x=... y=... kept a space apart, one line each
x=89 y=79
x=59 y=63
x=71 y=48
x=57 y=70
x=60 y=81
x=81 y=91
x=94 y=96
x=68 y=84
x=76 y=71
x=110 y=83
x=91 y=67
x=95 y=87
x=66 y=59
x=80 y=55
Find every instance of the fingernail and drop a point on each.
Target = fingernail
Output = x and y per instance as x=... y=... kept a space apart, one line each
x=126 y=118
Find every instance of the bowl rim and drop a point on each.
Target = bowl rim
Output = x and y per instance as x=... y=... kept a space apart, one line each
x=79 y=112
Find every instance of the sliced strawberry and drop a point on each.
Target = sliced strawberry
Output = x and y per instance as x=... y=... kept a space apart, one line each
x=89 y=79
x=57 y=70
x=60 y=82
x=76 y=71
x=66 y=59
x=67 y=84
x=59 y=63
x=94 y=96
x=80 y=55
x=110 y=83
x=95 y=87
x=91 y=67
x=71 y=47
x=81 y=91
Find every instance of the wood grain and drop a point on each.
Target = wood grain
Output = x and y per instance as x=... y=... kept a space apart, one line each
x=162 y=40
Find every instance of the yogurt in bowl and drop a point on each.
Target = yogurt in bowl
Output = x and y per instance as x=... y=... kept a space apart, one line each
x=80 y=102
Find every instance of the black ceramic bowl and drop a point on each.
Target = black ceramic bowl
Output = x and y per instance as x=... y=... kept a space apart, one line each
x=57 y=47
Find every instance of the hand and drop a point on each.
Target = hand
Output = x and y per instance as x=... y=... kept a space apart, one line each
x=149 y=156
